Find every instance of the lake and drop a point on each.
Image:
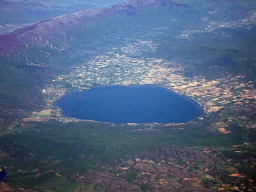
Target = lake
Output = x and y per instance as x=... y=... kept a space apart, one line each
x=129 y=104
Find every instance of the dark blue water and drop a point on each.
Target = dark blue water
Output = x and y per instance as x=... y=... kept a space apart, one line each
x=2 y=175
x=129 y=104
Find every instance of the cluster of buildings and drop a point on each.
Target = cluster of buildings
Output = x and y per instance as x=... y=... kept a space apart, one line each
x=125 y=65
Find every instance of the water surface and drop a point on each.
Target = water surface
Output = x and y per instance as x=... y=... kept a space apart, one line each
x=129 y=104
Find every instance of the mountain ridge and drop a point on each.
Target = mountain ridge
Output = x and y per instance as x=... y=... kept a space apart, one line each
x=40 y=32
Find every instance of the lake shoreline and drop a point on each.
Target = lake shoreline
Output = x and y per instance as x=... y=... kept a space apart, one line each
x=155 y=98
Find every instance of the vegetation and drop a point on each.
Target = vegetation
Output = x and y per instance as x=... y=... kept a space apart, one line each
x=130 y=177
x=144 y=186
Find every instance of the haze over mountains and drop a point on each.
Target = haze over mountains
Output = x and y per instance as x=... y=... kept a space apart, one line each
x=39 y=33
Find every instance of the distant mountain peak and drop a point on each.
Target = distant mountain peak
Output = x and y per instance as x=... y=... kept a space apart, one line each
x=39 y=33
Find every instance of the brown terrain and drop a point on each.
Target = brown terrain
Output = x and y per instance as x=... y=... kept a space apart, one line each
x=165 y=169
x=4 y=187
x=161 y=168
